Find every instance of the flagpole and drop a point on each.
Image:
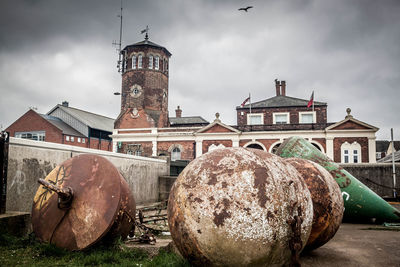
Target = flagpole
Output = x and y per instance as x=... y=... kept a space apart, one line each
x=250 y=102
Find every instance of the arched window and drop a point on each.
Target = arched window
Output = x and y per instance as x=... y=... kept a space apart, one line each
x=176 y=154
x=150 y=62
x=256 y=146
x=140 y=61
x=351 y=153
x=133 y=62
x=157 y=66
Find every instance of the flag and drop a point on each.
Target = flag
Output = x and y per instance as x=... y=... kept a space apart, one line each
x=311 y=102
x=245 y=101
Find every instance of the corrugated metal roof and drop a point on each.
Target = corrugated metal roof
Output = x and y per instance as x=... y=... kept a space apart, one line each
x=65 y=128
x=94 y=121
x=388 y=158
x=187 y=120
x=281 y=101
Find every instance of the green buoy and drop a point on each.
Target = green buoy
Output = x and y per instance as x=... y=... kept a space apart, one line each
x=360 y=202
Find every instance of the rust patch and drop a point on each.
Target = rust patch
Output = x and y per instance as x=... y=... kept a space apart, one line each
x=211 y=198
x=199 y=200
x=270 y=215
x=213 y=179
x=260 y=180
x=224 y=184
x=219 y=218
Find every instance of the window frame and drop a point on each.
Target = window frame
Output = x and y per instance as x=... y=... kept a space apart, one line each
x=150 y=61
x=275 y=114
x=250 y=115
x=133 y=62
x=348 y=154
x=140 y=62
x=157 y=63
x=313 y=113
x=176 y=155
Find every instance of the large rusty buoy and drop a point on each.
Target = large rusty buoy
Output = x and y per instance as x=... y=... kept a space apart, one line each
x=82 y=200
x=327 y=201
x=232 y=207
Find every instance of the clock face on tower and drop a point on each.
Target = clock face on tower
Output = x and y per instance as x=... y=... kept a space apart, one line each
x=136 y=90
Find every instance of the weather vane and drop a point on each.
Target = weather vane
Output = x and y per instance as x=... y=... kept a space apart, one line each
x=146 y=37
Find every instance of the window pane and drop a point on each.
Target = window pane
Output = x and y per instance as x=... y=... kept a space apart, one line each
x=346 y=152
x=133 y=62
x=150 y=62
x=355 y=152
x=281 y=119
x=255 y=119
x=157 y=66
x=346 y=159
x=306 y=118
x=355 y=159
x=140 y=62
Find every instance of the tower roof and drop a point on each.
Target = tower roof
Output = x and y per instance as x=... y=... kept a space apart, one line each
x=148 y=43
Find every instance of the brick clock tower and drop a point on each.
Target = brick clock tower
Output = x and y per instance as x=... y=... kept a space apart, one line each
x=144 y=92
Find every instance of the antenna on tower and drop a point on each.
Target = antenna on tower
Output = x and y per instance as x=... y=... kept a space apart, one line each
x=120 y=63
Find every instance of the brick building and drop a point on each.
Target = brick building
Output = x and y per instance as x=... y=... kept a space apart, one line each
x=142 y=128
x=65 y=125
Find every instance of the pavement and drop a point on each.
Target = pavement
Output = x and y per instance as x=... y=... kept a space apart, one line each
x=358 y=245
x=353 y=245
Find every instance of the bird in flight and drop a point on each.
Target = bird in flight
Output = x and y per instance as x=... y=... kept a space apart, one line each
x=245 y=8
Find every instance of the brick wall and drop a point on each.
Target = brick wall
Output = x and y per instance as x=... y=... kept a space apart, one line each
x=187 y=149
x=32 y=121
x=338 y=141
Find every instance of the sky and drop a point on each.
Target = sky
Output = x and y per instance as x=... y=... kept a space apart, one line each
x=346 y=51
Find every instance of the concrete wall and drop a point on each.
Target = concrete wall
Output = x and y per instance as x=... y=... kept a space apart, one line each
x=31 y=160
x=378 y=177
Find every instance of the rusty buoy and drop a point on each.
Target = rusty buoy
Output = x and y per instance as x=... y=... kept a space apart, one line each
x=233 y=207
x=82 y=200
x=327 y=201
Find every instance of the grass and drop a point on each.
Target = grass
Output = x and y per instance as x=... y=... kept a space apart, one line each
x=29 y=252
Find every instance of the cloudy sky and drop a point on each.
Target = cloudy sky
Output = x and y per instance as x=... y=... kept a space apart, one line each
x=347 y=51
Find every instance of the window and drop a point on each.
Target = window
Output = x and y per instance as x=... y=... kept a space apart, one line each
x=36 y=136
x=307 y=117
x=176 y=154
x=255 y=119
x=378 y=155
x=83 y=140
x=138 y=153
x=67 y=138
x=79 y=139
x=355 y=156
x=150 y=62
x=281 y=118
x=140 y=61
x=157 y=66
x=133 y=62
x=72 y=139
x=351 y=153
x=346 y=156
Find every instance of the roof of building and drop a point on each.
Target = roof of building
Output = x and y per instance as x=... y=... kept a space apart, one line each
x=383 y=145
x=148 y=43
x=389 y=159
x=92 y=120
x=65 y=128
x=187 y=120
x=281 y=101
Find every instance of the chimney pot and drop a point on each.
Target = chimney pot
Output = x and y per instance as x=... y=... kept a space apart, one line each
x=278 y=87
x=178 y=112
x=283 y=87
x=65 y=103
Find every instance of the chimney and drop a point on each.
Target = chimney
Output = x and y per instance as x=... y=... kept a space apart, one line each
x=65 y=103
x=277 y=86
x=283 y=87
x=178 y=112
